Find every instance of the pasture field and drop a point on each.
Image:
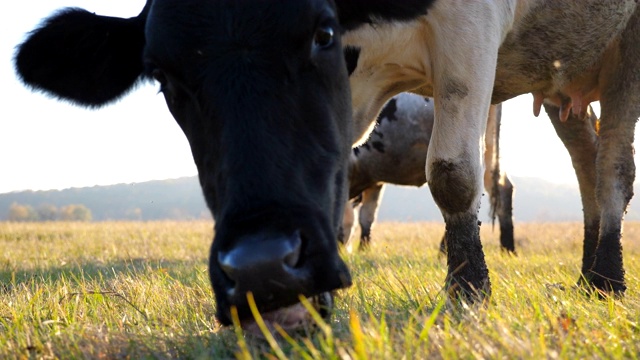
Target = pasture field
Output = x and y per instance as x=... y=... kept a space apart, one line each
x=141 y=290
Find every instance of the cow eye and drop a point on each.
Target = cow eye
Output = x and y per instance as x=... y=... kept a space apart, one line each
x=323 y=37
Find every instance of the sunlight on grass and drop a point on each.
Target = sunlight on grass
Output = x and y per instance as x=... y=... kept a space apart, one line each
x=141 y=290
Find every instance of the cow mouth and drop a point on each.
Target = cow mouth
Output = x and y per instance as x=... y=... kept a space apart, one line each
x=295 y=318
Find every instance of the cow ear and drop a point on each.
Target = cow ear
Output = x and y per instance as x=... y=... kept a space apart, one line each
x=82 y=57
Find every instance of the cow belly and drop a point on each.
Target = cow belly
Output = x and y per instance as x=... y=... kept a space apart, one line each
x=560 y=50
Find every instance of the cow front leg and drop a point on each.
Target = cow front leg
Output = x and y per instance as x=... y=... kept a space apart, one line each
x=454 y=174
x=455 y=189
x=580 y=139
x=371 y=198
x=463 y=60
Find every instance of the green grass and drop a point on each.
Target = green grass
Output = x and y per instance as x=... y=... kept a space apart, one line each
x=141 y=290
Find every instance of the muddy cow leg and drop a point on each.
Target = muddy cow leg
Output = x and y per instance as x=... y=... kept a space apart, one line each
x=463 y=78
x=501 y=197
x=371 y=198
x=615 y=167
x=614 y=188
x=579 y=137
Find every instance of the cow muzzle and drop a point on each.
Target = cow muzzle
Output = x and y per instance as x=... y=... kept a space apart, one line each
x=278 y=270
x=269 y=266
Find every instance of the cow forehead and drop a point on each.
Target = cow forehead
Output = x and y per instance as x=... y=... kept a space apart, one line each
x=180 y=27
x=221 y=38
x=230 y=20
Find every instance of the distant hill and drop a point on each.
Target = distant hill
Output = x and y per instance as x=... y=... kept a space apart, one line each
x=181 y=199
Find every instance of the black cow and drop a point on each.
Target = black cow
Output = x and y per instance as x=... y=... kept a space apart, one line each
x=395 y=154
x=260 y=89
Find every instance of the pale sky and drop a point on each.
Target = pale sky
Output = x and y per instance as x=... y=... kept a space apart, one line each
x=48 y=144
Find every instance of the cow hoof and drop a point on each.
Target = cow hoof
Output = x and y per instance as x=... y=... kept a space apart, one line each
x=600 y=286
x=364 y=246
x=461 y=294
x=507 y=251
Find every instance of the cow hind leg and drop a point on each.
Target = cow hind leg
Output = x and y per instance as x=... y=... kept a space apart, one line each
x=615 y=165
x=615 y=175
x=504 y=211
x=496 y=183
x=371 y=198
x=580 y=139
x=614 y=188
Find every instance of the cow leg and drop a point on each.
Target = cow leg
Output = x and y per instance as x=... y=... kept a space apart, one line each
x=463 y=76
x=496 y=183
x=615 y=167
x=500 y=190
x=614 y=188
x=344 y=233
x=579 y=137
x=371 y=198
x=504 y=211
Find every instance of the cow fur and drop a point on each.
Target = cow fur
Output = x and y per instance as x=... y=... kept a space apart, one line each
x=395 y=153
x=469 y=54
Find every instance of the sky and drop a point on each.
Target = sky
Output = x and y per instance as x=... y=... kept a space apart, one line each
x=49 y=144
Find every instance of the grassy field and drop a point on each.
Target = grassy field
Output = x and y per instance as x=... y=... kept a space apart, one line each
x=141 y=290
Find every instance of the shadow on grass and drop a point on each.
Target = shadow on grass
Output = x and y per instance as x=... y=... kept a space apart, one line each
x=89 y=272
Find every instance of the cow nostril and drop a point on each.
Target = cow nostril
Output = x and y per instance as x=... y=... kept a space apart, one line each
x=227 y=267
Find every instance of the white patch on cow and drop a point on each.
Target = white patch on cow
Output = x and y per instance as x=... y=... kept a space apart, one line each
x=466 y=39
x=449 y=54
x=413 y=109
x=391 y=61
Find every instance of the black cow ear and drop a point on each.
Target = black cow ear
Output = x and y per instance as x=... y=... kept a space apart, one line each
x=82 y=57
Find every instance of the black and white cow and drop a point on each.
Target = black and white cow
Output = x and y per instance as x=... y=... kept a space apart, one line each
x=470 y=54
x=260 y=90
x=395 y=154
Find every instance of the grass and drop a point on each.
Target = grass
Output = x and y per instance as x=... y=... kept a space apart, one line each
x=141 y=290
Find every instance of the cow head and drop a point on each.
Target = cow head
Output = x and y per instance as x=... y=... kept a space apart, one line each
x=260 y=89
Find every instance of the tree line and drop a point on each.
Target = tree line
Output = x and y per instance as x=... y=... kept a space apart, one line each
x=48 y=212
